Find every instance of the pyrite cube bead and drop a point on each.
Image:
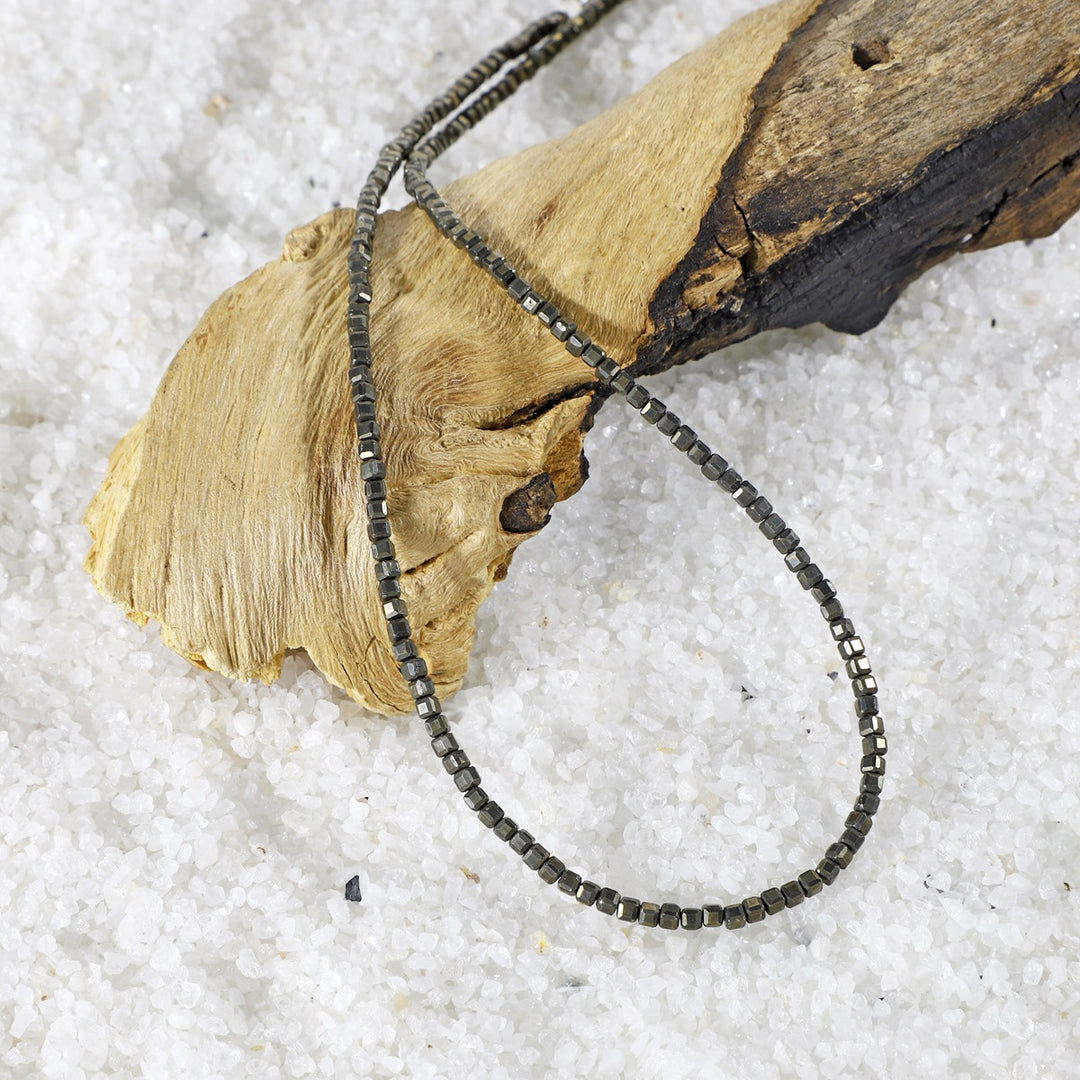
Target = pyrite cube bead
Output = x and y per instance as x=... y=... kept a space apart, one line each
x=607 y=901
x=859 y=821
x=649 y=914
x=577 y=343
x=669 y=423
x=871 y=725
x=712 y=915
x=852 y=838
x=670 y=916
x=491 y=814
x=714 y=467
x=872 y=783
x=773 y=901
x=521 y=841
x=476 y=798
x=466 y=779
x=754 y=908
x=874 y=746
x=840 y=854
x=869 y=804
x=629 y=909
x=734 y=917
x=792 y=894
x=552 y=870
x=414 y=668
x=828 y=871
x=455 y=761
x=569 y=882
x=536 y=856
x=692 y=918
x=587 y=892
x=505 y=828
x=810 y=883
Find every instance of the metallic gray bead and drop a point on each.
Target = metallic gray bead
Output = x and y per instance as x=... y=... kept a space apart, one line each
x=874 y=745
x=505 y=828
x=547 y=313
x=387 y=568
x=810 y=883
x=607 y=369
x=828 y=871
x=792 y=894
x=872 y=763
x=521 y=841
x=561 y=329
x=857 y=667
x=670 y=916
x=414 y=669
x=668 y=424
x=866 y=706
x=713 y=915
x=592 y=355
x=832 y=610
x=745 y=495
x=653 y=410
x=437 y=725
x=379 y=529
x=871 y=725
x=786 y=541
x=629 y=909
x=402 y=650
x=809 y=576
x=382 y=549
x=587 y=892
x=734 y=917
x=824 y=590
x=840 y=854
x=607 y=901
x=699 y=453
x=869 y=804
x=842 y=628
x=872 y=783
x=796 y=560
x=518 y=288
x=865 y=686
x=773 y=901
x=759 y=509
x=373 y=470
x=649 y=914
x=772 y=526
x=569 y=881
x=551 y=870
x=637 y=396
x=467 y=778
x=532 y=302
x=714 y=467
x=684 y=438
x=851 y=647
x=577 y=343
x=691 y=918
x=754 y=908
x=455 y=761
x=444 y=744
x=623 y=382
x=377 y=508
x=428 y=706
x=859 y=821
x=362 y=411
x=852 y=838
x=395 y=608
x=730 y=481
x=476 y=798
x=419 y=688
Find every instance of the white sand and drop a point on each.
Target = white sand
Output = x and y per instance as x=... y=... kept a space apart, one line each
x=174 y=846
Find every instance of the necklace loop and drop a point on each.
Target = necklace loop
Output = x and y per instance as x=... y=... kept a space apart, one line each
x=416 y=148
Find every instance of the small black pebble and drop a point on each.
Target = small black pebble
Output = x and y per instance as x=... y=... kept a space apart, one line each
x=352 y=889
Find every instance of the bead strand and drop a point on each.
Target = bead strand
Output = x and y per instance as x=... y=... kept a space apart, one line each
x=540 y=43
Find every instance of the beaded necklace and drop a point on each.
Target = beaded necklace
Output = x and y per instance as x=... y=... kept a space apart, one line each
x=415 y=148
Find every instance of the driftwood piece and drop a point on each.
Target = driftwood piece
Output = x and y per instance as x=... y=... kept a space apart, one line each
x=803 y=166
